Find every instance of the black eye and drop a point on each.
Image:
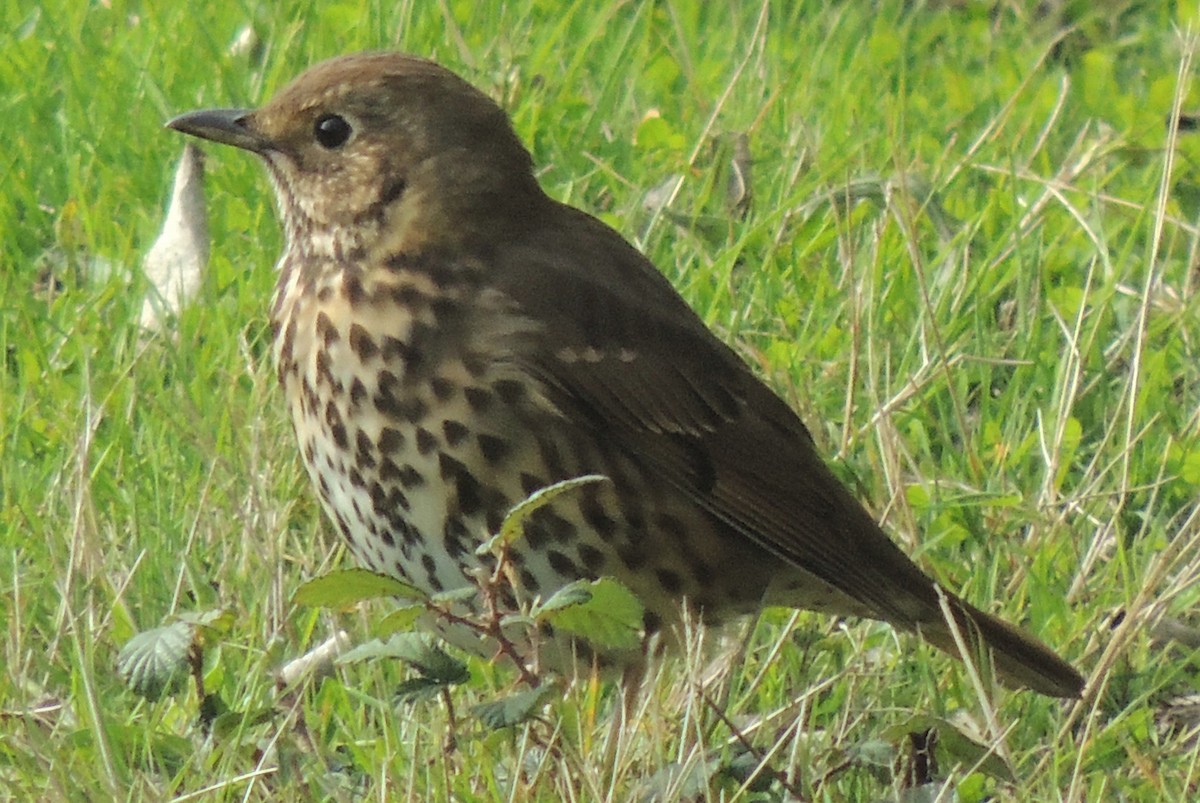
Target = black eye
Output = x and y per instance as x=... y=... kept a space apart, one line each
x=331 y=130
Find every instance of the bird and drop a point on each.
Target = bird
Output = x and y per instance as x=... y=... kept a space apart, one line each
x=450 y=339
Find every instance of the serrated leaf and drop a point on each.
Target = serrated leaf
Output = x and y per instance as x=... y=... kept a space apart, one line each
x=460 y=594
x=953 y=746
x=401 y=620
x=514 y=523
x=219 y=620
x=517 y=620
x=155 y=661
x=611 y=619
x=576 y=593
x=417 y=689
x=512 y=710
x=416 y=650
x=347 y=587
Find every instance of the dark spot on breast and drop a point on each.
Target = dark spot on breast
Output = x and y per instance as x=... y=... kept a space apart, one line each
x=479 y=398
x=390 y=440
x=531 y=483
x=669 y=580
x=592 y=559
x=309 y=403
x=552 y=458
x=414 y=409
x=395 y=350
x=352 y=288
x=595 y=516
x=495 y=517
x=468 y=491
x=289 y=340
x=455 y=431
x=344 y=527
x=443 y=388
x=410 y=477
x=559 y=528
x=409 y=532
x=529 y=583
x=454 y=533
x=562 y=564
x=323 y=364
x=364 y=448
x=536 y=536
x=324 y=294
x=408 y=296
x=392 y=402
x=356 y=478
x=358 y=392
x=361 y=342
x=337 y=429
x=396 y=500
x=388 y=471
x=386 y=536
x=426 y=441
x=493 y=449
x=326 y=330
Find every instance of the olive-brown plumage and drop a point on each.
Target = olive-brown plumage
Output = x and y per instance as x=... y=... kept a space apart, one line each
x=450 y=339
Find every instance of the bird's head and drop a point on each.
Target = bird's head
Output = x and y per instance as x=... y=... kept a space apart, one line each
x=381 y=150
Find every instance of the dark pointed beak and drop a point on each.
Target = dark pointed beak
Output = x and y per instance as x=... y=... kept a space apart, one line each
x=227 y=126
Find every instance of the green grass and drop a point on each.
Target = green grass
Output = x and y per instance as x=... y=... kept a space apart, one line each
x=969 y=263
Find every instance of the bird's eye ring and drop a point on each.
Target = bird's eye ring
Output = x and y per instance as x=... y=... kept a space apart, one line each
x=331 y=131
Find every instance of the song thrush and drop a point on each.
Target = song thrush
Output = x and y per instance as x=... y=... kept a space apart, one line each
x=450 y=339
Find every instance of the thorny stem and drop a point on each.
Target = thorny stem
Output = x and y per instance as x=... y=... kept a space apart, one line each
x=491 y=627
x=451 y=742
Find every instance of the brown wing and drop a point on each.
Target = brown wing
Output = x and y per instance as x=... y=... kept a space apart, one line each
x=631 y=358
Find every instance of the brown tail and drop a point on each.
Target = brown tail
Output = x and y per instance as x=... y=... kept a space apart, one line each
x=1019 y=658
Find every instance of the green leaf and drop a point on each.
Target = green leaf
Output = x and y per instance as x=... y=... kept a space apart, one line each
x=400 y=620
x=155 y=661
x=416 y=650
x=576 y=593
x=348 y=587
x=514 y=709
x=611 y=618
x=416 y=689
x=513 y=525
x=460 y=594
x=219 y=620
